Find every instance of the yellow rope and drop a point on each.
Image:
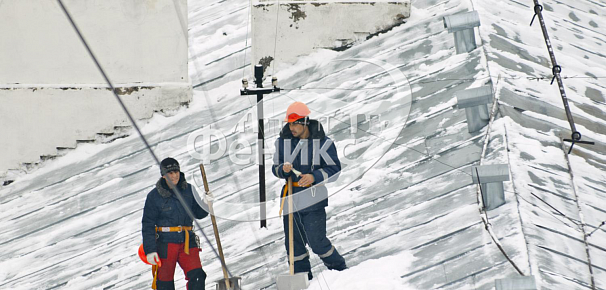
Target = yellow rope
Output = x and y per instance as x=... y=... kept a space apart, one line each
x=283 y=195
x=155 y=273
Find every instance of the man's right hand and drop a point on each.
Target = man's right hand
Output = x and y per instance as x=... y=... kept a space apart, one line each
x=153 y=258
x=287 y=167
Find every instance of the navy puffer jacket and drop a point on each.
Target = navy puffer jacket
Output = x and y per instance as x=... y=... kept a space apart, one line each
x=315 y=155
x=163 y=209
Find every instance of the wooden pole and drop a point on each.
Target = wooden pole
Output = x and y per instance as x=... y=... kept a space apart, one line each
x=291 y=246
x=215 y=229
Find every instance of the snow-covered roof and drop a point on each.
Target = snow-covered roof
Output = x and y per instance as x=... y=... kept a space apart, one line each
x=405 y=217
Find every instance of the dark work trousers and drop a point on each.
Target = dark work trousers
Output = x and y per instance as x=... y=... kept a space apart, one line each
x=191 y=265
x=310 y=228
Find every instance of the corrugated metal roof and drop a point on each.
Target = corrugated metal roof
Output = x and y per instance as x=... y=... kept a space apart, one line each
x=418 y=198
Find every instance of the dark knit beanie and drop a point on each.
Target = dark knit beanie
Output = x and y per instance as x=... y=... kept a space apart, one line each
x=169 y=164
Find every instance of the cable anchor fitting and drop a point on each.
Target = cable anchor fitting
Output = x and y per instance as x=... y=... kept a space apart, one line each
x=576 y=138
x=537 y=9
x=556 y=70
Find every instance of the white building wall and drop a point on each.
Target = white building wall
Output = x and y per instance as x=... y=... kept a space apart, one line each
x=51 y=91
x=305 y=26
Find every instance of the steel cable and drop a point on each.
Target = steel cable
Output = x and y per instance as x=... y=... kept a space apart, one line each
x=143 y=139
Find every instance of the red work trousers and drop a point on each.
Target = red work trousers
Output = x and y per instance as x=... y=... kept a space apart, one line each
x=176 y=253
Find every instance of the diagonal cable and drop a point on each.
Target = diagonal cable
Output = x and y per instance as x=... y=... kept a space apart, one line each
x=596 y=229
x=132 y=120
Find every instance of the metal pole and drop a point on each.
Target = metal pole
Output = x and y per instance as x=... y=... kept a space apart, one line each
x=261 y=144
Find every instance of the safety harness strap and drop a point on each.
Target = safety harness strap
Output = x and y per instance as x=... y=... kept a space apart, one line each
x=294 y=184
x=178 y=229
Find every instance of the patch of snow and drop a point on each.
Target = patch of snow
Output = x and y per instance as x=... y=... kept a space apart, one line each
x=383 y=273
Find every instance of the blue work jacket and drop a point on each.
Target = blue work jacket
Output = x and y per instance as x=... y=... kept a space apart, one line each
x=315 y=155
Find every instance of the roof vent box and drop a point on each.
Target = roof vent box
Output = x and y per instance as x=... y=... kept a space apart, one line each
x=475 y=102
x=491 y=179
x=461 y=25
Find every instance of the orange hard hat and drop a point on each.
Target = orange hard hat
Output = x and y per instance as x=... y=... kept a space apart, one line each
x=296 y=111
x=142 y=255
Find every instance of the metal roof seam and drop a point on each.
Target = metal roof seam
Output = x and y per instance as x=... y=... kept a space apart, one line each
x=481 y=205
x=581 y=216
x=517 y=196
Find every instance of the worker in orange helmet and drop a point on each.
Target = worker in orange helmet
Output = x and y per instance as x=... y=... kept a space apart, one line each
x=304 y=148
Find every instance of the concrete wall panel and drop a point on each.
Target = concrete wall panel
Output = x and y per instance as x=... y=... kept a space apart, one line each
x=134 y=40
x=305 y=26
x=51 y=92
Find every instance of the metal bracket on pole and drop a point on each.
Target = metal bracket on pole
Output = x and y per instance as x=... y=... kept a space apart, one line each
x=576 y=138
x=260 y=91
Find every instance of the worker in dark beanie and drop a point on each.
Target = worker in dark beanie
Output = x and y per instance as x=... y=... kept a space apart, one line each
x=167 y=230
x=169 y=164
